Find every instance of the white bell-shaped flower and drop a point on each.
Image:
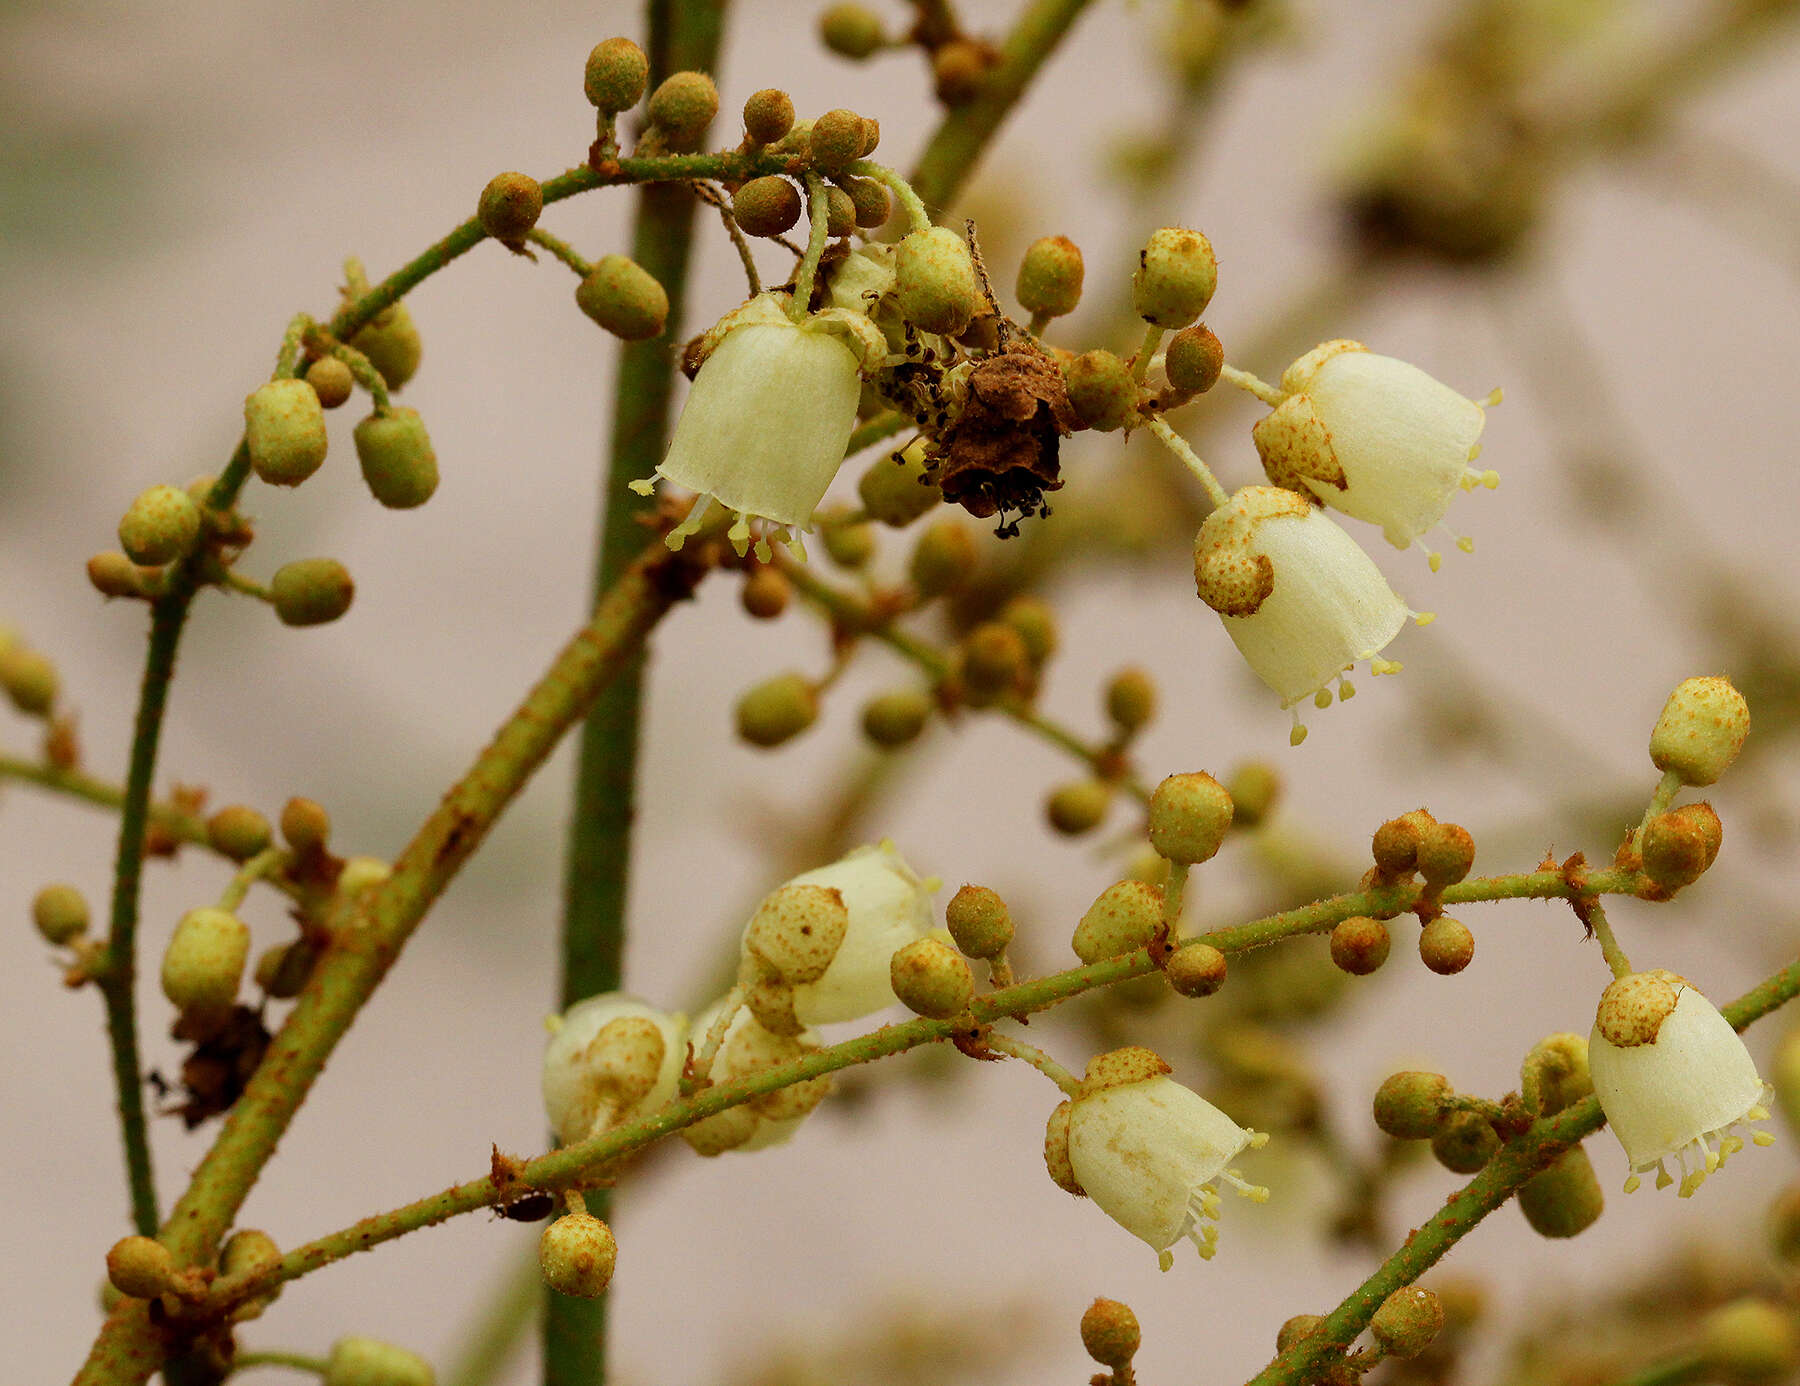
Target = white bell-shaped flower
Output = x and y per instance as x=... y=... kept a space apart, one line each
x=611 y=1058
x=1374 y=437
x=1151 y=1153
x=1673 y=1078
x=1298 y=596
x=765 y=425
x=747 y=1048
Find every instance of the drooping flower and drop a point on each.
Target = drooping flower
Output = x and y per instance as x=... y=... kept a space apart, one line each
x=747 y=1048
x=765 y=425
x=1673 y=1078
x=610 y=1058
x=1374 y=437
x=1149 y=1152
x=1299 y=598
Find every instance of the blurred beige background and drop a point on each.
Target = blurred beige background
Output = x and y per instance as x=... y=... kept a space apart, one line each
x=180 y=179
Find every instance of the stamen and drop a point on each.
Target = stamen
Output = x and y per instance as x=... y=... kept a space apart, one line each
x=1322 y=699
x=1346 y=689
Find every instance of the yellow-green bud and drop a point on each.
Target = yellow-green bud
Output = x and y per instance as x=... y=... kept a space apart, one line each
x=359 y=873
x=577 y=1254
x=305 y=825
x=1195 y=969
x=205 y=960
x=797 y=931
x=1359 y=945
x=682 y=107
x=1123 y=919
x=851 y=544
x=238 y=831
x=836 y=139
x=766 y=592
x=1407 y=1321
x=1464 y=1143
x=1050 y=277
x=1296 y=1328
x=870 y=200
x=1554 y=1074
x=1411 y=1106
x=979 y=922
x=311 y=591
x=624 y=298
x=161 y=525
x=332 y=382
x=114 y=575
x=1130 y=699
x=1446 y=946
x=1109 y=1332
x=994 y=658
x=1396 y=842
x=768 y=115
x=1566 y=1199
x=934 y=278
x=617 y=73
x=1444 y=855
x=392 y=344
x=1188 y=817
x=764 y=206
x=1255 y=789
x=1101 y=390
x=1036 y=624
x=509 y=205
x=931 y=979
x=895 y=489
x=245 y=1253
x=777 y=709
x=1194 y=360
x=852 y=31
x=1078 y=807
x=357 y=1361
x=840 y=212
x=1701 y=730
x=1750 y=1340
x=284 y=970
x=60 y=913
x=943 y=560
x=284 y=430
x=30 y=680
x=141 y=1267
x=1177 y=273
x=893 y=719
x=958 y=69
x=396 y=456
x=1679 y=846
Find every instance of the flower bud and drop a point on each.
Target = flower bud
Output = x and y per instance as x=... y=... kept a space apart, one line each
x=238 y=831
x=731 y=1129
x=1565 y=1199
x=616 y=75
x=509 y=206
x=797 y=931
x=311 y=591
x=114 y=575
x=1555 y=1074
x=840 y=212
x=30 y=680
x=1407 y=1321
x=359 y=874
x=305 y=825
x=979 y=922
x=1123 y=919
x=1188 y=817
x=1056 y=1150
x=1194 y=360
x=1036 y=624
x=1679 y=846
x=141 y=1267
x=869 y=200
x=893 y=719
x=576 y=1254
x=284 y=430
x=1465 y=1143
x=160 y=526
x=611 y=1059
x=1396 y=843
x=934 y=277
x=957 y=70
x=1109 y=1332
x=624 y=298
x=1444 y=855
x=60 y=914
x=931 y=979
x=331 y=380
x=1101 y=390
x=1359 y=945
x=358 y=1361
x=1177 y=273
x=1050 y=276
x=392 y=344
x=1296 y=1329
x=768 y=115
x=1410 y=1106
x=248 y=1252
x=851 y=544
x=1701 y=730
x=284 y=970
x=1195 y=969
x=1255 y=789
x=777 y=709
x=396 y=456
x=1130 y=699
x=994 y=660
x=836 y=139
x=1446 y=946
x=1078 y=807
x=682 y=107
x=943 y=559
x=1749 y=1340
x=895 y=489
x=205 y=960
x=764 y=206
x=852 y=31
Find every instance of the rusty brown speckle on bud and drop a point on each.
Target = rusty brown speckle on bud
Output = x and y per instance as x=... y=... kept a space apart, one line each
x=1633 y=1008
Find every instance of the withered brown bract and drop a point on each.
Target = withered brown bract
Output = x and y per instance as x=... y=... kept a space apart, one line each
x=1001 y=452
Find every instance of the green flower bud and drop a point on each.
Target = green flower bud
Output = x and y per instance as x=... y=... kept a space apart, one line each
x=1050 y=277
x=359 y=873
x=893 y=719
x=284 y=429
x=161 y=525
x=1446 y=946
x=577 y=1254
x=934 y=277
x=1078 y=807
x=1565 y=1199
x=1678 y=847
x=305 y=825
x=358 y=1361
x=1359 y=945
x=624 y=298
x=958 y=69
x=238 y=831
x=768 y=115
x=509 y=206
x=1130 y=699
x=1188 y=817
x=1750 y=1340
x=870 y=201
x=836 y=139
x=311 y=591
x=284 y=970
x=1036 y=624
x=1464 y=1143
x=617 y=73
x=994 y=659
x=60 y=913
x=852 y=31
x=1407 y=1321
x=840 y=212
x=766 y=592
x=30 y=680
x=246 y=1253
x=397 y=461
x=1109 y=1332
x=979 y=922
x=777 y=710
x=1195 y=969
x=1555 y=1073
x=682 y=107
x=764 y=206
x=1194 y=360
x=205 y=960
x=332 y=382
x=931 y=979
x=943 y=560
x=1255 y=789
x=1701 y=730
x=1177 y=273
x=1396 y=843
x=1297 y=1328
x=1411 y=1106
x=392 y=344
x=1124 y=918
x=1444 y=855
x=141 y=1267
x=1101 y=390
x=895 y=489
x=114 y=575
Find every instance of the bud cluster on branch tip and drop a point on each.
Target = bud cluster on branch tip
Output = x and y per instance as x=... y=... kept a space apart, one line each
x=305 y=825
x=611 y=1059
x=616 y=74
x=768 y=115
x=836 y=139
x=1677 y=847
x=895 y=490
x=852 y=31
x=931 y=979
x=766 y=206
x=509 y=206
x=284 y=431
x=1446 y=946
x=1110 y=1333
x=1701 y=730
x=141 y=1267
x=1188 y=817
x=896 y=718
x=1125 y=917
x=1050 y=276
x=1566 y=1199
x=1176 y=275
x=934 y=278
x=1673 y=1078
x=777 y=710
x=624 y=298
x=979 y=922
x=1079 y=806
x=1195 y=969
x=1750 y=1341
x=1194 y=360
x=1359 y=945
x=161 y=525
x=60 y=913
x=1130 y=699
x=943 y=559
x=1149 y=1152
x=359 y=1361
x=773 y=1117
x=681 y=108
x=238 y=831
x=205 y=960
x=1411 y=1106
x=331 y=380
x=396 y=456
x=1374 y=438
x=311 y=591
x=1101 y=390
x=1407 y=1321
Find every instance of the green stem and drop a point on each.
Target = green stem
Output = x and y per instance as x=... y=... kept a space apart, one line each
x=1140 y=363
x=561 y=249
x=1666 y=790
x=178 y=823
x=918 y=216
x=261 y=865
x=1615 y=957
x=818 y=232
x=500 y=1329
x=1251 y=384
x=1038 y=1059
x=1178 y=445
